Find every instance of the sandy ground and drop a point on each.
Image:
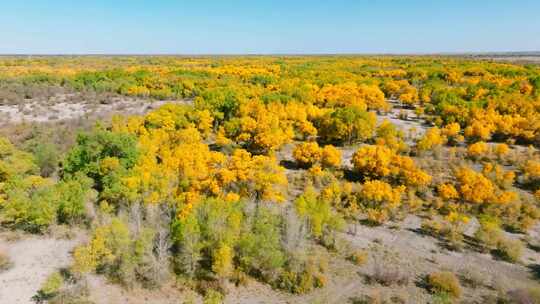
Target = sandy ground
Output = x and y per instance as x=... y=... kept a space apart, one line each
x=33 y=258
x=61 y=109
x=411 y=125
x=415 y=255
x=103 y=292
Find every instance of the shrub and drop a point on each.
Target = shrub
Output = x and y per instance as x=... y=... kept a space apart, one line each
x=449 y=229
x=477 y=150
x=213 y=297
x=501 y=150
x=489 y=234
x=523 y=296
x=382 y=162
x=303 y=280
x=331 y=157
x=46 y=155
x=50 y=288
x=322 y=221
x=473 y=277
x=295 y=282
x=359 y=257
x=431 y=139
x=115 y=251
x=509 y=250
x=390 y=276
x=307 y=154
x=5 y=262
x=260 y=249
x=442 y=298
x=74 y=294
x=444 y=282
x=375 y=297
x=34 y=203
x=73 y=194
x=380 y=200
x=433 y=227
x=31 y=204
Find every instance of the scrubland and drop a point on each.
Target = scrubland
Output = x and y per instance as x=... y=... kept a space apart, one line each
x=332 y=179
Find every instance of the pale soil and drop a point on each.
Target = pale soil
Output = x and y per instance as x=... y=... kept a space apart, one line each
x=415 y=255
x=531 y=58
x=410 y=124
x=62 y=108
x=34 y=258
x=103 y=292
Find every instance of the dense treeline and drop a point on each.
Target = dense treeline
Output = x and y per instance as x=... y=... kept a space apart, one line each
x=488 y=100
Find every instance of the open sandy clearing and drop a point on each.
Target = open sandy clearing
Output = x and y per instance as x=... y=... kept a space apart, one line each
x=43 y=111
x=33 y=260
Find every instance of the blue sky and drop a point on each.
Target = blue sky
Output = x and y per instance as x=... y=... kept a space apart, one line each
x=279 y=26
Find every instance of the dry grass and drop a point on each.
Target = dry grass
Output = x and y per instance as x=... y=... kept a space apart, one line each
x=444 y=282
x=359 y=257
x=509 y=250
x=5 y=262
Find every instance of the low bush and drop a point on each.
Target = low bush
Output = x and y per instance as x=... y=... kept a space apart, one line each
x=509 y=250
x=50 y=288
x=451 y=234
x=5 y=262
x=359 y=257
x=473 y=277
x=389 y=275
x=213 y=297
x=303 y=273
x=387 y=267
x=522 y=296
x=300 y=282
x=46 y=154
x=71 y=293
x=489 y=235
x=444 y=282
x=116 y=251
x=442 y=298
x=375 y=297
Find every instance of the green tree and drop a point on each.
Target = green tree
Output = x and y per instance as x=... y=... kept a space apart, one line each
x=347 y=125
x=321 y=220
x=92 y=148
x=73 y=194
x=260 y=248
x=187 y=235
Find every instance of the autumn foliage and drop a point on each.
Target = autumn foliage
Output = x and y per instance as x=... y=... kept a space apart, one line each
x=258 y=159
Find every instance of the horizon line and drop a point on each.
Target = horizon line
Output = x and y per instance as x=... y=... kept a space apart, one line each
x=482 y=53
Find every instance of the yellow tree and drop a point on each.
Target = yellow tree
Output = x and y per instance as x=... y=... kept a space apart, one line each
x=432 y=138
x=474 y=186
x=306 y=154
x=380 y=200
x=331 y=157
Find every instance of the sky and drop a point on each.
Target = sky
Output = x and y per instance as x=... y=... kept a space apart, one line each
x=268 y=27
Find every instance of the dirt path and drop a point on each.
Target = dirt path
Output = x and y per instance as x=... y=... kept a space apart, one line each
x=33 y=260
